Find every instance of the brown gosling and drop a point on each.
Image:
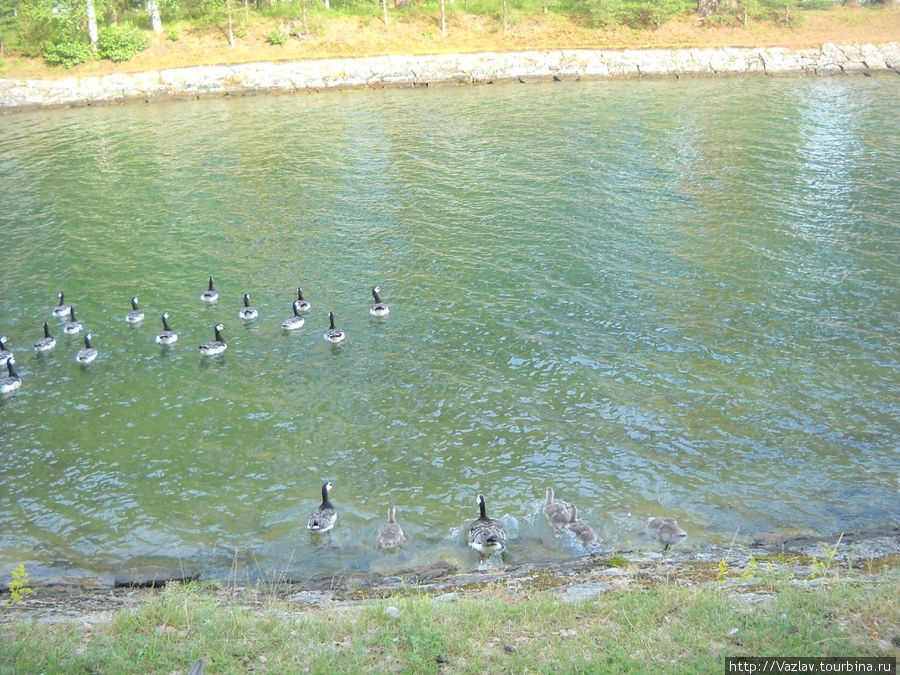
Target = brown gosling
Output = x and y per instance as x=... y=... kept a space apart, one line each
x=391 y=535
x=582 y=531
x=557 y=513
x=665 y=530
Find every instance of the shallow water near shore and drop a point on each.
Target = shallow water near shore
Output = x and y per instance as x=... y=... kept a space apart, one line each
x=659 y=297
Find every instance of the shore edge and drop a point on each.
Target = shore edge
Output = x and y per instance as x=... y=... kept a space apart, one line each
x=408 y=71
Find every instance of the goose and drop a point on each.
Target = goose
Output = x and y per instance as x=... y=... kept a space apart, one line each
x=73 y=326
x=166 y=336
x=324 y=516
x=216 y=346
x=135 y=315
x=486 y=535
x=665 y=530
x=379 y=308
x=296 y=321
x=210 y=294
x=391 y=535
x=302 y=303
x=333 y=334
x=5 y=354
x=582 y=531
x=47 y=342
x=88 y=354
x=247 y=313
x=61 y=311
x=12 y=381
x=557 y=513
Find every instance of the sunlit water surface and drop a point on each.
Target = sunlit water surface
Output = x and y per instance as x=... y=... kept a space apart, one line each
x=672 y=297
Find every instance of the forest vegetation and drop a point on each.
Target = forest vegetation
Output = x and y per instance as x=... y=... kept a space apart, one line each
x=44 y=38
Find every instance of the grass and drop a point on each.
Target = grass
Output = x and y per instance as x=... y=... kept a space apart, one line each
x=416 y=30
x=662 y=627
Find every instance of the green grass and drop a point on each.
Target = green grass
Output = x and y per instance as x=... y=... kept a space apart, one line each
x=663 y=628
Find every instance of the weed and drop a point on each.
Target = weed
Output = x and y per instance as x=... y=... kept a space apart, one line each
x=750 y=570
x=722 y=571
x=19 y=587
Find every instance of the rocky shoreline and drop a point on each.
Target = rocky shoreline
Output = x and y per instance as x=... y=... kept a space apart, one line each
x=807 y=560
x=17 y=94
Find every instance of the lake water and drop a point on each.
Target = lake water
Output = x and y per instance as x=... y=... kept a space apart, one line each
x=660 y=297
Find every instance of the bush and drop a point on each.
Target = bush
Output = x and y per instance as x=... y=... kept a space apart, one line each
x=277 y=37
x=120 y=43
x=172 y=34
x=67 y=54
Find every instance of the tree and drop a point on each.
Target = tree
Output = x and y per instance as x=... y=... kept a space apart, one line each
x=155 y=20
x=91 y=14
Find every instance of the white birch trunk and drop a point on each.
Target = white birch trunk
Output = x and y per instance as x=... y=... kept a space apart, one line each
x=155 y=20
x=230 y=25
x=91 y=14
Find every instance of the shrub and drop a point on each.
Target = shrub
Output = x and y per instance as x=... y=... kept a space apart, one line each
x=67 y=54
x=172 y=34
x=277 y=37
x=120 y=43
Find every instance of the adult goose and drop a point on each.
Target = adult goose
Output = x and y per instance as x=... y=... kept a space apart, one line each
x=5 y=354
x=210 y=294
x=73 y=326
x=582 y=531
x=302 y=303
x=12 y=381
x=61 y=311
x=557 y=513
x=216 y=346
x=333 y=334
x=379 y=308
x=296 y=321
x=47 y=342
x=324 y=515
x=486 y=535
x=665 y=530
x=166 y=336
x=391 y=534
x=86 y=354
x=247 y=312
x=135 y=315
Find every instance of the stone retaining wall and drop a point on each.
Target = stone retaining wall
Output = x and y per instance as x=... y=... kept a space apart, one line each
x=430 y=70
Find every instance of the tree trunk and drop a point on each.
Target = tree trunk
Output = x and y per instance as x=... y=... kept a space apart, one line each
x=327 y=4
x=91 y=14
x=505 y=25
x=155 y=20
x=384 y=11
x=305 y=26
x=443 y=20
x=704 y=8
x=230 y=24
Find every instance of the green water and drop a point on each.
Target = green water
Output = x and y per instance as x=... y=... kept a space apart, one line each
x=665 y=297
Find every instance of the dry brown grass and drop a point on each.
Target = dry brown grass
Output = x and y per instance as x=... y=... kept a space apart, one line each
x=418 y=34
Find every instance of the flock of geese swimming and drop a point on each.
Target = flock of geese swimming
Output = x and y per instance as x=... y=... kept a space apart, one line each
x=487 y=535
x=167 y=336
